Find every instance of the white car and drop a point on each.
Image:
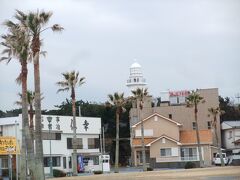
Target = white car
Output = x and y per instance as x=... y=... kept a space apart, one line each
x=217 y=160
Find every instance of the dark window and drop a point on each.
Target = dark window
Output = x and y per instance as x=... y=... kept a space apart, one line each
x=209 y=125
x=93 y=143
x=58 y=136
x=51 y=136
x=194 y=125
x=56 y=161
x=78 y=143
x=64 y=163
x=70 y=162
x=170 y=116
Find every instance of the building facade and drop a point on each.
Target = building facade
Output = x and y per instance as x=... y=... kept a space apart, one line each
x=169 y=130
x=231 y=136
x=59 y=137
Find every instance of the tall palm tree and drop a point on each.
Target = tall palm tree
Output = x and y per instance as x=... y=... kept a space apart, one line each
x=193 y=100
x=30 y=145
x=118 y=101
x=35 y=23
x=139 y=94
x=17 y=45
x=214 y=112
x=70 y=82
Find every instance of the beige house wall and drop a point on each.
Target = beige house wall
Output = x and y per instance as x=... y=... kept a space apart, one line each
x=160 y=126
x=155 y=151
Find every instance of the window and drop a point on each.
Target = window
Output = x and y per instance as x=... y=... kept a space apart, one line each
x=78 y=143
x=91 y=159
x=209 y=126
x=69 y=162
x=230 y=135
x=64 y=163
x=51 y=136
x=194 y=125
x=4 y=163
x=170 y=116
x=165 y=152
x=56 y=161
x=189 y=154
x=93 y=143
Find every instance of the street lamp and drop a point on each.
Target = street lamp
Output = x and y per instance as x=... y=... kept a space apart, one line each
x=49 y=119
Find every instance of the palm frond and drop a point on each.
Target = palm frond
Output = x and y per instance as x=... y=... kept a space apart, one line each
x=57 y=28
x=19 y=79
x=63 y=89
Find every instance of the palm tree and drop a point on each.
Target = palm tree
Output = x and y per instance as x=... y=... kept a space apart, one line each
x=71 y=80
x=139 y=95
x=30 y=146
x=193 y=100
x=17 y=45
x=214 y=112
x=118 y=101
x=34 y=23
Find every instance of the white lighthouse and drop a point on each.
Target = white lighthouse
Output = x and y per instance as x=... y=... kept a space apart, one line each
x=136 y=79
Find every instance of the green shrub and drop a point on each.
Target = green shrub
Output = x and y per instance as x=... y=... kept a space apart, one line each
x=149 y=169
x=58 y=173
x=190 y=165
x=97 y=172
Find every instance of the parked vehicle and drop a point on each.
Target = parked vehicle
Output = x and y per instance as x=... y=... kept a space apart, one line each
x=217 y=159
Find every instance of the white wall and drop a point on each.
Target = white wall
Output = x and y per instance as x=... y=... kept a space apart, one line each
x=59 y=147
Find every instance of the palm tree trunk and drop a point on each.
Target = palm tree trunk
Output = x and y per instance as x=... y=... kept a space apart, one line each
x=117 y=144
x=143 y=145
x=38 y=124
x=31 y=114
x=217 y=141
x=23 y=167
x=74 y=155
x=30 y=149
x=198 y=138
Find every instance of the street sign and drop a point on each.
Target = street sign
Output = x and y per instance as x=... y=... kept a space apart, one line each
x=8 y=145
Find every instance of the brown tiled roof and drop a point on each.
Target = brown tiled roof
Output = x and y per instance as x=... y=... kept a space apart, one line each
x=189 y=136
x=138 y=141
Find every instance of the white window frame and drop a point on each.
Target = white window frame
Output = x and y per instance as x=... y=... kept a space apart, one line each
x=166 y=155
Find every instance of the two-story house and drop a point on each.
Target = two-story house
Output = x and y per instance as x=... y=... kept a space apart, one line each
x=170 y=130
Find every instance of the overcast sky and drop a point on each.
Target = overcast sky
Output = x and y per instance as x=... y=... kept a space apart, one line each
x=181 y=45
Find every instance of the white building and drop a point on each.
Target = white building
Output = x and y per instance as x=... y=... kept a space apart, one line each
x=231 y=136
x=136 y=79
x=88 y=131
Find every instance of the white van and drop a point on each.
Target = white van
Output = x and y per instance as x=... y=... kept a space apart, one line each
x=217 y=160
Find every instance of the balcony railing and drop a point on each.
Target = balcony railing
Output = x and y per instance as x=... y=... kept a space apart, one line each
x=188 y=158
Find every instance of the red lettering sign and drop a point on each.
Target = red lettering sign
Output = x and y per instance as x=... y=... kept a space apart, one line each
x=178 y=93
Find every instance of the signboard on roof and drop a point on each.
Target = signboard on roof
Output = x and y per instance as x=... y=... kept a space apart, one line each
x=183 y=93
x=8 y=145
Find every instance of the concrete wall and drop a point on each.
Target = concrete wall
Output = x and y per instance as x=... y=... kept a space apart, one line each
x=180 y=164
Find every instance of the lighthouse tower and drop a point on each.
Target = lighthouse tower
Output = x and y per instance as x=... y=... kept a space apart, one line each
x=136 y=79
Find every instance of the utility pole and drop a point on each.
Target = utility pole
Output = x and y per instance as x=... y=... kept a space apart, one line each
x=16 y=149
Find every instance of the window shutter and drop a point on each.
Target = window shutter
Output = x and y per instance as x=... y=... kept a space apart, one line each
x=175 y=151
x=138 y=133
